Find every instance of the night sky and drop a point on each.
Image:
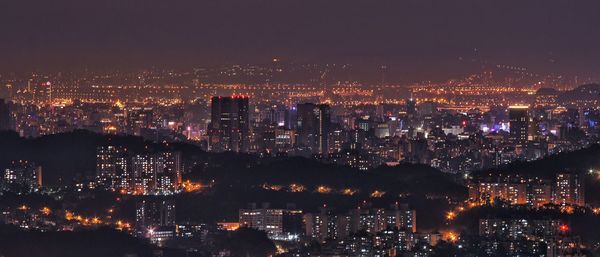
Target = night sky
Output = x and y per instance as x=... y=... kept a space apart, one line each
x=425 y=35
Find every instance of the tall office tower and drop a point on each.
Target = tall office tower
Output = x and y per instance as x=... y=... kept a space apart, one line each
x=292 y=117
x=412 y=114
x=154 y=212
x=4 y=116
x=364 y=124
x=229 y=125
x=569 y=189
x=305 y=124
x=324 y=125
x=338 y=137
x=313 y=123
x=278 y=115
x=411 y=108
x=265 y=136
x=284 y=139
x=519 y=124
x=138 y=118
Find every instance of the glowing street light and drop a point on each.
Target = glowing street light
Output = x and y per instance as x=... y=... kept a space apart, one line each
x=450 y=215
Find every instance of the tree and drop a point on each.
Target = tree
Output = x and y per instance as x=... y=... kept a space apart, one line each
x=246 y=242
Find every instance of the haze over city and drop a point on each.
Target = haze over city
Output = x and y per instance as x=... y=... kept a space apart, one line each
x=413 y=128
x=416 y=39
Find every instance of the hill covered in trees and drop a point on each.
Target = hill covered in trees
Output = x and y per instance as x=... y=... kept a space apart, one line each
x=580 y=161
x=70 y=156
x=93 y=243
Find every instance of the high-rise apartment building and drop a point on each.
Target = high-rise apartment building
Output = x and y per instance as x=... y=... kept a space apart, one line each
x=155 y=219
x=569 y=189
x=143 y=174
x=22 y=174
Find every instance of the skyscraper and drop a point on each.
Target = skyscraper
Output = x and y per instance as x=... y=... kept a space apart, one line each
x=519 y=124
x=229 y=125
x=313 y=123
x=4 y=116
x=305 y=124
x=411 y=108
x=324 y=125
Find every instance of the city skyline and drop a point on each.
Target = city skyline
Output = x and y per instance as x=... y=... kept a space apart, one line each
x=284 y=128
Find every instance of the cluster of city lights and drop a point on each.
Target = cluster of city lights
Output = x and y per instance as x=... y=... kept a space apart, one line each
x=321 y=189
x=189 y=186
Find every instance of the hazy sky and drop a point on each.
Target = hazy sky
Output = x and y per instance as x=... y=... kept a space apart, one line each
x=419 y=34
